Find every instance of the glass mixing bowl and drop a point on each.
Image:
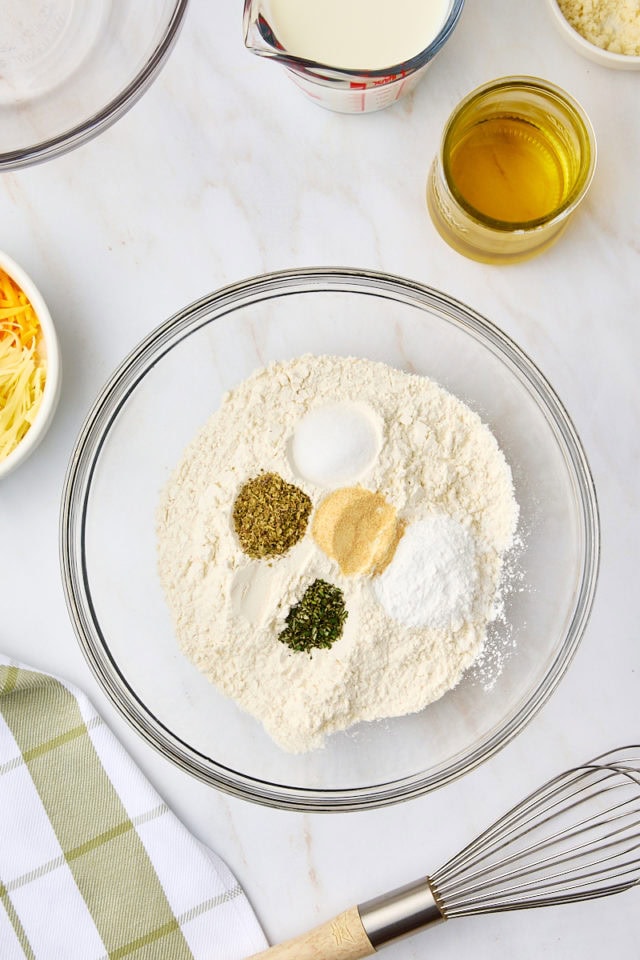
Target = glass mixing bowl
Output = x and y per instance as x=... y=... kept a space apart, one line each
x=70 y=68
x=132 y=440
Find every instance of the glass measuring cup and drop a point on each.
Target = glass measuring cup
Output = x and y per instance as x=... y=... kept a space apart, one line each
x=344 y=90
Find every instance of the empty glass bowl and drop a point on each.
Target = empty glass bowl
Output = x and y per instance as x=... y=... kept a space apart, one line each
x=69 y=69
x=132 y=440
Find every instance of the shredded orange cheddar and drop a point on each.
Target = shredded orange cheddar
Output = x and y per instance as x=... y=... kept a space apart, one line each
x=22 y=364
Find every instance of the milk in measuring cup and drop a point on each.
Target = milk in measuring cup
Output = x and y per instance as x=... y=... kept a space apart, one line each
x=350 y=34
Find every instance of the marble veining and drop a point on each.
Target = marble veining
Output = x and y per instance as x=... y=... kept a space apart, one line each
x=224 y=170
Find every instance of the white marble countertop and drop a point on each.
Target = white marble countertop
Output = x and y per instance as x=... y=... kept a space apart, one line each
x=224 y=170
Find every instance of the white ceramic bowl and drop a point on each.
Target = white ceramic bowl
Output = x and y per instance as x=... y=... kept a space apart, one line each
x=616 y=61
x=52 y=385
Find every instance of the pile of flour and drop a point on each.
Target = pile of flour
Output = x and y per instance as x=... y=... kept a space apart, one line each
x=437 y=460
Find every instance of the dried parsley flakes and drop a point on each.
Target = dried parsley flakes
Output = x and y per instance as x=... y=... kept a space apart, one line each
x=270 y=516
x=317 y=620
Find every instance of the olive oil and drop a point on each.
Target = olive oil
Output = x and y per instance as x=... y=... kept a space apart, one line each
x=511 y=169
x=516 y=159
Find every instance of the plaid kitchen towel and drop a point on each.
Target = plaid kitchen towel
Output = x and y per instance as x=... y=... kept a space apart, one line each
x=93 y=865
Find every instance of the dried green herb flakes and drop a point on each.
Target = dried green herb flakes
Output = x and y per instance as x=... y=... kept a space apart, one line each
x=270 y=516
x=317 y=620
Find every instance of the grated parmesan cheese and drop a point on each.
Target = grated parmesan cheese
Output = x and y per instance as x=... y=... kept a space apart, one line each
x=613 y=25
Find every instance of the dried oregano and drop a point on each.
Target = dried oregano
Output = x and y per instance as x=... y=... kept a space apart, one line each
x=317 y=620
x=270 y=515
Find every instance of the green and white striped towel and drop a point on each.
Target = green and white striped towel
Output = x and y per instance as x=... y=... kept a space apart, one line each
x=93 y=865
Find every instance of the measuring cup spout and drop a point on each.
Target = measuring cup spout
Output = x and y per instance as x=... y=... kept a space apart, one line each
x=260 y=38
x=258 y=33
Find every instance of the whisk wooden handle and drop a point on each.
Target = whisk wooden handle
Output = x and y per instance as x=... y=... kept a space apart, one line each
x=362 y=930
x=575 y=838
x=342 y=938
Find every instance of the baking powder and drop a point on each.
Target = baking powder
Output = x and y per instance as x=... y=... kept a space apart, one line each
x=432 y=578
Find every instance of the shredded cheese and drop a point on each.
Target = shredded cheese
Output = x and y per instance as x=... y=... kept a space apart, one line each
x=23 y=368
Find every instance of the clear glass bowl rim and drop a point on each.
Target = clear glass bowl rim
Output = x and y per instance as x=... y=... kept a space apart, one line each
x=85 y=456
x=95 y=124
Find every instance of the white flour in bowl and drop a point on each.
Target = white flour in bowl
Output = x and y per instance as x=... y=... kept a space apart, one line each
x=438 y=466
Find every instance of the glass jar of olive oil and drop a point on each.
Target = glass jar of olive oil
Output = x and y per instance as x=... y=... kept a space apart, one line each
x=517 y=157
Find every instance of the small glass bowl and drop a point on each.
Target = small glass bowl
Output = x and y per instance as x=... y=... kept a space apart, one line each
x=134 y=437
x=71 y=68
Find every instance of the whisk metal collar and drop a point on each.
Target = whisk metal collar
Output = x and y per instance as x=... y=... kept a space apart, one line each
x=400 y=913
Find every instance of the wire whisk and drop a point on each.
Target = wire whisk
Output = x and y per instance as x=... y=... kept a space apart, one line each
x=575 y=838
